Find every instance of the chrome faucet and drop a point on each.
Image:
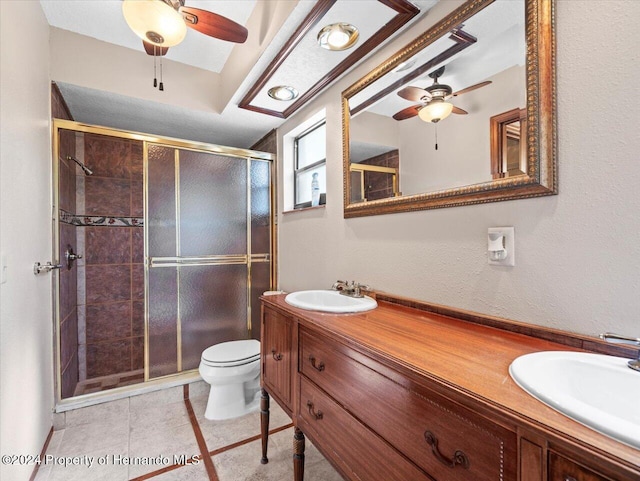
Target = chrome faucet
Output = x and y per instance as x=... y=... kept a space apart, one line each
x=618 y=339
x=351 y=289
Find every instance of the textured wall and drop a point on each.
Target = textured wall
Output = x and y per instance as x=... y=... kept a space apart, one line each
x=26 y=372
x=577 y=254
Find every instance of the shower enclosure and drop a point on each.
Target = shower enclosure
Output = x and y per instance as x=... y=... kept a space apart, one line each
x=171 y=246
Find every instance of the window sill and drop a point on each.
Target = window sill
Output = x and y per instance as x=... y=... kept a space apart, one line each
x=303 y=209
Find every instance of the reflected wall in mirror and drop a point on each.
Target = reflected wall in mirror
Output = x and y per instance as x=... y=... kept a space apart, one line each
x=434 y=125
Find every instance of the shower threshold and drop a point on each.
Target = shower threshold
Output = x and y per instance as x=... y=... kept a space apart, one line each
x=104 y=383
x=122 y=392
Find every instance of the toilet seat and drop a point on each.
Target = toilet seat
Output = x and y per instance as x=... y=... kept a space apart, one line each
x=232 y=353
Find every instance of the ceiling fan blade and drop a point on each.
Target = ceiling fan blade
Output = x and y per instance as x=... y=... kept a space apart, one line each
x=407 y=113
x=469 y=89
x=414 y=94
x=160 y=51
x=213 y=24
x=459 y=111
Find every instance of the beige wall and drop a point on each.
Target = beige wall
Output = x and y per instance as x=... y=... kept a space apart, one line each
x=82 y=60
x=26 y=371
x=577 y=254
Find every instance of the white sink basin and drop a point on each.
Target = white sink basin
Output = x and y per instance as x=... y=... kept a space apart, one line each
x=598 y=391
x=330 y=301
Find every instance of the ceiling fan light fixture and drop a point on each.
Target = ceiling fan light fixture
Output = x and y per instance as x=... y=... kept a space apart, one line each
x=283 y=92
x=154 y=21
x=338 y=36
x=435 y=111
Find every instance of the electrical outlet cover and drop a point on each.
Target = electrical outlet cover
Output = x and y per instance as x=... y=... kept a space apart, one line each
x=509 y=244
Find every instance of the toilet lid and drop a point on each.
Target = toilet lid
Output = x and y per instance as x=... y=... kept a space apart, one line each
x=232 y=353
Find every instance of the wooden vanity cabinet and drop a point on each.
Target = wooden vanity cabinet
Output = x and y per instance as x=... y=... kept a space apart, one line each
x=564 y=469
x=375 y=417
x=278 y=358
x=445 y=439
x=369 y=420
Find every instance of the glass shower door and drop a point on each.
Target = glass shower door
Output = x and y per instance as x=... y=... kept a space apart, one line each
x=199 y=262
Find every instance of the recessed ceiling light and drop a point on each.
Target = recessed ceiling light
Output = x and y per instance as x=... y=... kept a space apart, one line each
x=404 y=66
x=283 y=92
x=338 y=36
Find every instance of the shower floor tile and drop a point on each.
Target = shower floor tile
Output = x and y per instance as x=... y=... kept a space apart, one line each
x=104 y=383
x=162 y=437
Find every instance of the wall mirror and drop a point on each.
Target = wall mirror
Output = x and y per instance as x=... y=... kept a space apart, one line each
x=464 y=114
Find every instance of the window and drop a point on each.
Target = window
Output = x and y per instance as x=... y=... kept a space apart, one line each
x=309 y=158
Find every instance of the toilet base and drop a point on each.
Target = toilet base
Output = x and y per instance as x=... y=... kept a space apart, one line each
x=228 y=401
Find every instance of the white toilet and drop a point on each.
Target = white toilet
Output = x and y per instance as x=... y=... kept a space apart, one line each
x=233 y=371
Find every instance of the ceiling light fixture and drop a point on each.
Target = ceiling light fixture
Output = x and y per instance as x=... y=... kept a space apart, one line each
x=155 y=21
x=435 y=111
x=404 y=66
x=338 y=36
x=283 y=92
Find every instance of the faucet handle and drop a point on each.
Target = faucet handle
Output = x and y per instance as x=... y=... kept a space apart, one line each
x=338 y=285
x=618 y=339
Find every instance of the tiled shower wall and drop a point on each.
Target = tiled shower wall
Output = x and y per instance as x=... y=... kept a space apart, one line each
x=111 y=279
x=377 y=184
x=68 y=277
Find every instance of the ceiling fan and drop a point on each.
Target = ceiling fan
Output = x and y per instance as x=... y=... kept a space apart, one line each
x=433 y=106
x=163 y=23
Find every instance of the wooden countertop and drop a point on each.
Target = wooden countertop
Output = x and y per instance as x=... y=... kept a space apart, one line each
x=462 y=355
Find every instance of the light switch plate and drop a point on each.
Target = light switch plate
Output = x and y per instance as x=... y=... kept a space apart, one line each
x=509 y=243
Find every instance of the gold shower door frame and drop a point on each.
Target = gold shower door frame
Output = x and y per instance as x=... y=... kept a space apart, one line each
x=179 y=261
x=249 y=155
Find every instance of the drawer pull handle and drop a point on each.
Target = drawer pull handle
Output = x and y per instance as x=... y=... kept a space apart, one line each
x=569 y=478
x=459 y=458
x=319 y=367
x=316 y=414
x=277 y=357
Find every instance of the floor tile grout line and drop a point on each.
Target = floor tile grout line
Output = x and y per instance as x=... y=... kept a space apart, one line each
x=215 y=452
x=208 y=462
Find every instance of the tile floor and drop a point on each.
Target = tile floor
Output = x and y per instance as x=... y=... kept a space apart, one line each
x=153 y=431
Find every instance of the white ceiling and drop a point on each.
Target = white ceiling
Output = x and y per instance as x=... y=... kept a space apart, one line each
x=103 y=20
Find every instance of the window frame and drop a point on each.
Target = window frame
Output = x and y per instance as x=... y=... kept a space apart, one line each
x=297 y=171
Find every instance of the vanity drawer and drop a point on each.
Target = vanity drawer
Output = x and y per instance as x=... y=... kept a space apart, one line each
x=358 y=452
x=444 y=438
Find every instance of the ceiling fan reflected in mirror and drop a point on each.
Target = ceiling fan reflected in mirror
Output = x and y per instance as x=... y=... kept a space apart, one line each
x=163 y=23
x=433 y=106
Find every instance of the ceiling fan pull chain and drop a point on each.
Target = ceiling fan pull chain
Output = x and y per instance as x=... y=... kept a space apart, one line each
x=161 y=84
x=155 y=79
x=436 y=136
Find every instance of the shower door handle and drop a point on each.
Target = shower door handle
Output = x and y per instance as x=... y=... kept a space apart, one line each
x=48 y=267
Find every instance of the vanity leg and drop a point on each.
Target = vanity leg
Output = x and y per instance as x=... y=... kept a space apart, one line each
x=264 y=424
x=298 y=455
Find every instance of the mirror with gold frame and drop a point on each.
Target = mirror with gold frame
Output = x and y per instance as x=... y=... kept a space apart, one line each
x=491 y=64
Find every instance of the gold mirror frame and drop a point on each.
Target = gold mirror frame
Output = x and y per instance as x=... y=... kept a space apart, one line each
x=541 y=178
